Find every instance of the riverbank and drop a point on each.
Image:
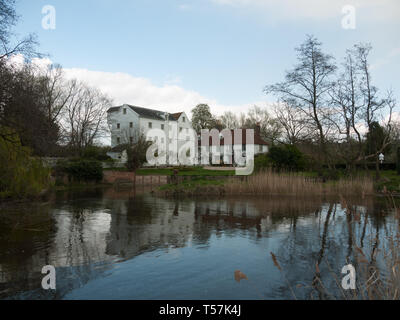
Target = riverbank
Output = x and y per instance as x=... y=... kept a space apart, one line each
x=270 y=183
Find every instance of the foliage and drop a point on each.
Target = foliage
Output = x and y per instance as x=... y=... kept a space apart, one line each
x=287 y=157
x=375 y=138
x=261 y=161
x=20 y=174
x=137 y=153
x=96 y=153
x=81 y=170
x=202 y=118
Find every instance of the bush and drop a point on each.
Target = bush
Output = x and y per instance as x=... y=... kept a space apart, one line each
x=137 y=153
x=287 y=157
x=96 y=153
x=21 y=175
x=261 y=162
x=81 y=170
x=329 y=174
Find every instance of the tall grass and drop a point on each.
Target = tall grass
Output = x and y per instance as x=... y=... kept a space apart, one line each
x=270 y=182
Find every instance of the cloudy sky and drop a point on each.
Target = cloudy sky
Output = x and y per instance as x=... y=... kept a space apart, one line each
x=173 y=54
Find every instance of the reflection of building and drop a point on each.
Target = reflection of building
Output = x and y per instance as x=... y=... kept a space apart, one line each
x=138 y=225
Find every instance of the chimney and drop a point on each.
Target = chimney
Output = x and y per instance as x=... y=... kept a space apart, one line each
x=257 y=129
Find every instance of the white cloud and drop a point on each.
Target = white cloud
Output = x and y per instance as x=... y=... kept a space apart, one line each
x=125 y=88
x=318 y=9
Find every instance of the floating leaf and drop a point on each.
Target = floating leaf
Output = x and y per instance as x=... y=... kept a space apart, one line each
x=276 y=261
x=239 y=275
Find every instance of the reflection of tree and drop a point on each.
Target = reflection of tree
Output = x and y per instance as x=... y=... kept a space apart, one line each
x=86 y=231
x=23 y=231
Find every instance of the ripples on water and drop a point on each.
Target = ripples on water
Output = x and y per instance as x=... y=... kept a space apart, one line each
x=107 y=244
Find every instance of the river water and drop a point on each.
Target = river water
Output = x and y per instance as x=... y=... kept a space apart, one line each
x=126 y=244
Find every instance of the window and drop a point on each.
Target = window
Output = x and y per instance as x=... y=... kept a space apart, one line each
x=124 y=110
x=183 y=119
x=118 y=125
x=150 y=125
x=118 y=140
x=180 y=129
x=260 y=148
x=130 y=124
x=162 y=127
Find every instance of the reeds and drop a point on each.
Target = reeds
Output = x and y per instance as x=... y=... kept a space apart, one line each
x=270 y=182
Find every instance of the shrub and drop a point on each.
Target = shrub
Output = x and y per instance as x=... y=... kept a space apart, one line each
x=81 y=170
x=287 y=157
x=329 y=174
x=137 y=153
x=261 y=162
x=96 y=153
x=20 y=174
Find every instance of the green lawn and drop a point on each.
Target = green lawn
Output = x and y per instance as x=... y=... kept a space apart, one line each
x=194 y=171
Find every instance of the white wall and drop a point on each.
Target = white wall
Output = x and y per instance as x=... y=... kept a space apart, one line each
x=124 y=132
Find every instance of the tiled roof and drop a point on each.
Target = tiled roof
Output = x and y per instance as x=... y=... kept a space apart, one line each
x=257 y=138
x=176 y=116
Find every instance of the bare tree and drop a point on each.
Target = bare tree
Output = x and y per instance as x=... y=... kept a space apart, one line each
x=85 y=115
x=306 y=87
x=8 y=47
x=293 y=123
x=55 y=93
x=229 y=120
x=358 y=106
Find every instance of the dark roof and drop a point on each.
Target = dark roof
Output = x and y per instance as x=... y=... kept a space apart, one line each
x=147 y=113
x=112 y=109
x=257 y=138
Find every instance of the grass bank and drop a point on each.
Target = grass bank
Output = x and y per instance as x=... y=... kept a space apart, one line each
x=186 y=171
x=270 y=182
x=273 y=183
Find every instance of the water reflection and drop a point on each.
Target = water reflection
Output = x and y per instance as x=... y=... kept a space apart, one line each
x=125 y=244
